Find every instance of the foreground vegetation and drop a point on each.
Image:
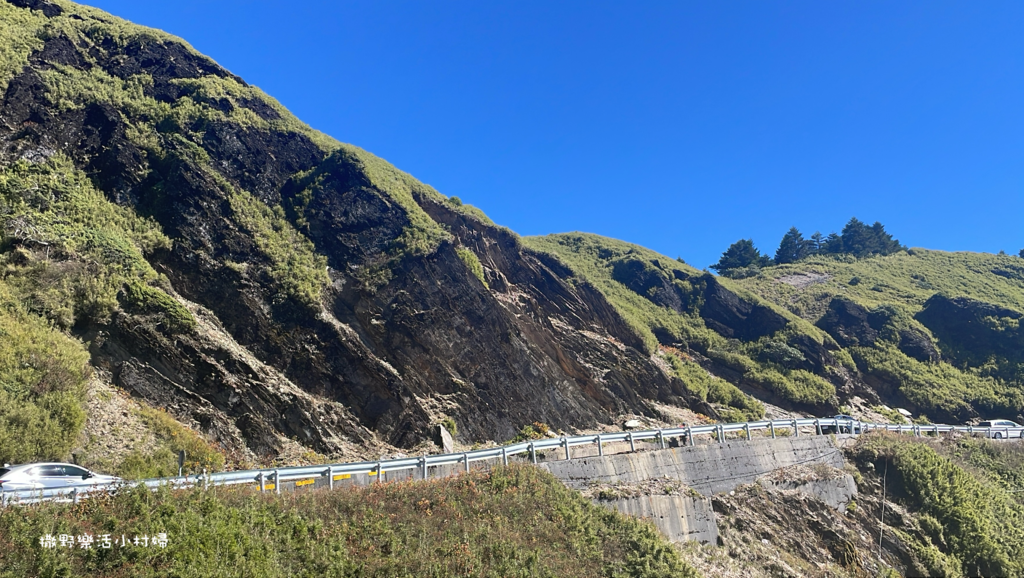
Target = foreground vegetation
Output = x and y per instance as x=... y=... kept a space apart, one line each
x=512 y=521
x=961 y=493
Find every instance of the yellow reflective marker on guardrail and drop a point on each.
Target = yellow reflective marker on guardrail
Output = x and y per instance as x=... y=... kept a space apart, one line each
x=342 y=476
x=304 y=482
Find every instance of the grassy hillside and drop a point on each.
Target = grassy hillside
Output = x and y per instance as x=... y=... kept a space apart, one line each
x=978 y=369
x=512 y=521
x=905 y=278
x=914 y=354
x=662 y=300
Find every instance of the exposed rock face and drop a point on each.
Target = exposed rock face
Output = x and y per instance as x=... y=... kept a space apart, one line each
x=852 y=325
x=849 y=323
x=971 y=331
x=385 y=356
x=732 y=316
x=918 y=345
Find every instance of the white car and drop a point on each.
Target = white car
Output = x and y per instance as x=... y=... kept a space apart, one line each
x=47 y=476
x=1002 y=428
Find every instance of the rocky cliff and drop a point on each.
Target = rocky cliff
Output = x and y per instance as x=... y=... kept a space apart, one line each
x=268 y=285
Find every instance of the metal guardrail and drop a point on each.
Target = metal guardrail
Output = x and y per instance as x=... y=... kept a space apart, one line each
x=265 y=477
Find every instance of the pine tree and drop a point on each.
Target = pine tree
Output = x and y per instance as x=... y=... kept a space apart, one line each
x=815 y=243
x=793 y=247
x=740 y=255
x=833 y=244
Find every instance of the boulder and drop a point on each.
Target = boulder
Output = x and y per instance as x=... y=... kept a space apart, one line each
x=443 y=439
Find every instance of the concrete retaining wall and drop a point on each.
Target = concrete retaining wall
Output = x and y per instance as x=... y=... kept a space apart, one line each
x=837 y=492
x=679 y=518
x=709 y=469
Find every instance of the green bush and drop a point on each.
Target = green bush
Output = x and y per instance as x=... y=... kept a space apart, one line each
x=450 y=425
x=299 y=271
x=716 y=390
x=472 y=263
x=171 y=438
x=42 y=386
x=153 y=300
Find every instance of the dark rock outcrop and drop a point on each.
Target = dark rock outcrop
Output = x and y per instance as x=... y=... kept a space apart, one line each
x=918 y=345
x=849 y=323
x=732 y=316
x=382 y=357
x=971 y=331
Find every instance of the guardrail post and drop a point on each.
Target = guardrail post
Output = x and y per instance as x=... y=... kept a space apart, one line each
x=425 y=472
x=721 y=434
x=533 y=453
x=600 y=446
x=661 y=438
x=330 y=477
x=632 y=445
x=74 y=495
x=260 y=478
x=746 y=428
x=689 y=435
x=796 y=429
x=277 y=481
x=504 y=456
x=465 y=458
x=771 y=426
x=566 y=442
x=206 y=480
x=817 y=426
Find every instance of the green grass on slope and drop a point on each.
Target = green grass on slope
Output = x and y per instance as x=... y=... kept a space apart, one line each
x=73 y=256
x=19 y=37
x=906 y=278
x=512 y=521
x=896 y=287
x=42 y=385
x=969 y=516
x=594 y=259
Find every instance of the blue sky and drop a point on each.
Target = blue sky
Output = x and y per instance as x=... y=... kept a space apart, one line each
x=681 y=126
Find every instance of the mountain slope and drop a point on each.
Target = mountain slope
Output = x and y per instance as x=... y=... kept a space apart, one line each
x=938 y=333
x=271 y=288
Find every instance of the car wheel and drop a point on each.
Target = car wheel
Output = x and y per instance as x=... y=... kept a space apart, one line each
x=997 y=436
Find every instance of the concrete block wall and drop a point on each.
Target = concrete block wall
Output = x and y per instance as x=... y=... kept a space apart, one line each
x=709 y=468
x=679 y=518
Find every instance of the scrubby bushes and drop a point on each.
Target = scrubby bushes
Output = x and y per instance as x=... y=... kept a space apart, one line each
x=42 y=386
x=976 y=524
x=472 y=263
x=516 y=521
x=68 y=252
x=171 y=438
x=739 y=406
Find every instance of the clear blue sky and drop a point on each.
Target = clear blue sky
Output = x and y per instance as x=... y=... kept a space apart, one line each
x=682 y=126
